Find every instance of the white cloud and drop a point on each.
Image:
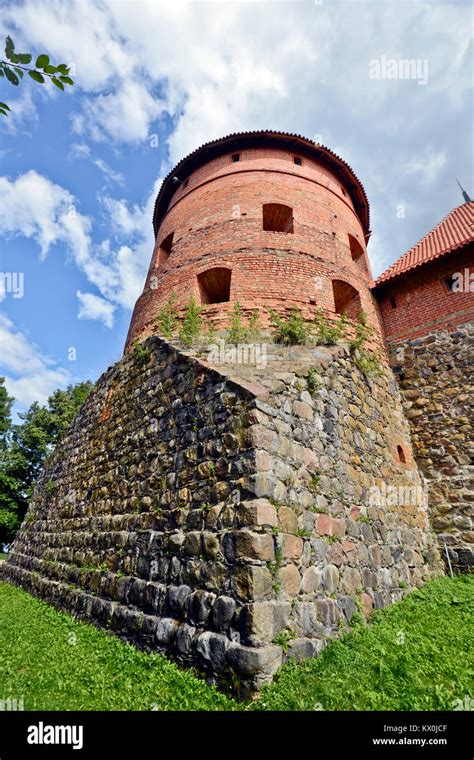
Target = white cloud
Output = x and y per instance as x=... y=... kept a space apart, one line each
x=29 y=376
x=426 y=166
x=34 y=207
x=95 y=307
x=108 y=172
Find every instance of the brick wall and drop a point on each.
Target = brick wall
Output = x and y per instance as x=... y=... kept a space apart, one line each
x=423 y=302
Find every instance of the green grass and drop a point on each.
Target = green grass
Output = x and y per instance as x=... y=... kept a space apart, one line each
x=3 y=556
x=415 y=655
x=57 y=663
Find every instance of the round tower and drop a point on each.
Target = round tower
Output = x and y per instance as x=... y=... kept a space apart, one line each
x=269 y=219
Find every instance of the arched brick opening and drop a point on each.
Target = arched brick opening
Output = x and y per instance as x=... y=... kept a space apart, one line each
x=346 y=299
x=214 y=285
x=164 y=251
x=277 y=217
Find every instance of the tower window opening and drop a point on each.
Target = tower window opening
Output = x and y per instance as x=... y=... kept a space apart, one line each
x=357 y=253
x=214 y=285
x=343 y=191
x=346 y=299
x=393 y=302
x=164 y=251
x=401 y=455
x=277 y=218
x=297 y=160
x=185 y=183
x=235 y=157
x=450 y=282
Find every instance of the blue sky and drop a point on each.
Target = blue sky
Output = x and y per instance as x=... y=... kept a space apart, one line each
x=79 y=171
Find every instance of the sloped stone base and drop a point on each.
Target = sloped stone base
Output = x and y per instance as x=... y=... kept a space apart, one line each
x=229 y=522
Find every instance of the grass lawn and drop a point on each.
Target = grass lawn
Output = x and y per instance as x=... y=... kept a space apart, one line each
x=416 y=655
x=3 y=556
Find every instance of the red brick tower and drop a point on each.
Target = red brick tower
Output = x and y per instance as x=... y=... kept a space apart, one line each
x=268 y=219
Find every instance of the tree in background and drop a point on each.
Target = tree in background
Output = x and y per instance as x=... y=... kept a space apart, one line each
x=14 y=67
x=25 y=447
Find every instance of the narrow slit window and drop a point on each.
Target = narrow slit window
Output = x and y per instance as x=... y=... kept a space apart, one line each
x=401 y=455
x=393 y=302
x=235 y=158
x=297 y=160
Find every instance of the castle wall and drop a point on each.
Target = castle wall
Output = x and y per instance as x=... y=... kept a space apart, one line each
x=217 y=221
x=436 y=379
x=424 y=304
x=229 y=522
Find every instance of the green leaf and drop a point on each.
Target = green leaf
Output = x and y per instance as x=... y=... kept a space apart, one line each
x=57 y=83
x=9 y=47
x=63 y=68
x=24 y=58
x=42 y=61
x=1 y=71
x=19 y=72
x=4 y=113
x=66 y=80
x=50 y=69
x=4 y=105
x=11 y=76
x=36 y=76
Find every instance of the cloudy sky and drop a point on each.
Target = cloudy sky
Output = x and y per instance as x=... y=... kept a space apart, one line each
x=79 y=171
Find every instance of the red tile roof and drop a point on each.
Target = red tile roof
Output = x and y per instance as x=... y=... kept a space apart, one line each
x=454 y=231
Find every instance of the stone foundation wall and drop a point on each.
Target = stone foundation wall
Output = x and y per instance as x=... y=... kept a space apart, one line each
x=229 y=522
x=436 y=378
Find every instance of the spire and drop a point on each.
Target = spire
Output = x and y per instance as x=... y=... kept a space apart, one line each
x=464 y=194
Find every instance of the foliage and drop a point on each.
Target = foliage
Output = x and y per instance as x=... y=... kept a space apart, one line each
x=363 y=332
x=328 y=333
x=167 y=319
x=26 y=446
x=58 y=663
x=238 y=332
x=314 y=381
x=142 y=353
x=292 y=329
x=191 y=325
x=284 y=638
x=368 y=363
x=367 y=669
x=14 y=67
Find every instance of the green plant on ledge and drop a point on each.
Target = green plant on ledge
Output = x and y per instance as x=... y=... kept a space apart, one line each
x=191 y=325
x=314 y=382
x=167 y=319
x=238 y=332
x=141 y=353
x=292 y=329
x=328 y=333
x=284 y=639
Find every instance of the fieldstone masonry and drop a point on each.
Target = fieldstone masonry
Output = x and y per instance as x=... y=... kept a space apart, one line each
x=436 y=377
x=228 y=521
